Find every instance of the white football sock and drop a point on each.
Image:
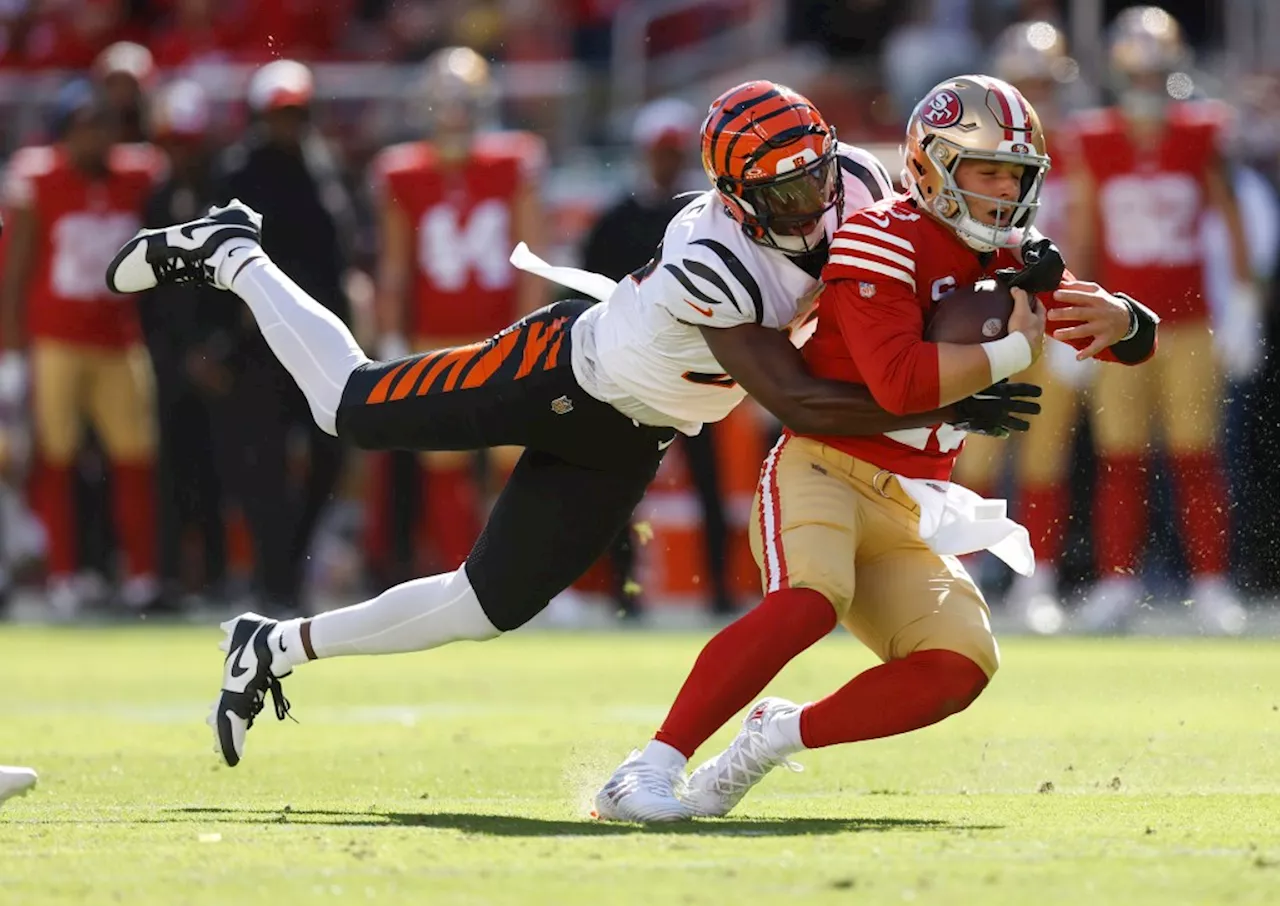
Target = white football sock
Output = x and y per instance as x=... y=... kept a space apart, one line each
x=313 y=345
x=664 y=755
x=783 y=732
x=415 y=616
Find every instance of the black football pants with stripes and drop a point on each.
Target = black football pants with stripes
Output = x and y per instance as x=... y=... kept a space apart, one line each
x=584 y=469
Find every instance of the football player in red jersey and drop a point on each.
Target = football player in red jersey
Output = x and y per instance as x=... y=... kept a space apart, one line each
x=451 y=209
x=70 y=205
x=1032 y=57
x=860 y=530
x=1148 y=171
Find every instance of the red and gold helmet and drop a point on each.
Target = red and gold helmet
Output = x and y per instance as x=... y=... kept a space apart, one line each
x=771 y=157
x=1147 y=56
x=975 y=117
x=454 y=96
x=1033 y=52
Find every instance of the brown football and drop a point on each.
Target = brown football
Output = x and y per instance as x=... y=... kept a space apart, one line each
x=971 y=314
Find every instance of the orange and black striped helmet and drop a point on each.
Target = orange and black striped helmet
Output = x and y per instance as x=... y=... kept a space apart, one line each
x=771 y=156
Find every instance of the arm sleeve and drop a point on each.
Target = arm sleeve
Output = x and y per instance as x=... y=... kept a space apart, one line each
x=884 y=335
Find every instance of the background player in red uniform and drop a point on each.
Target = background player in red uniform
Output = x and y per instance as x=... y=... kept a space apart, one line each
x=1148 y=171
x=836 y=527
x=451 y=209
x=1032 y=57
x=69 y=206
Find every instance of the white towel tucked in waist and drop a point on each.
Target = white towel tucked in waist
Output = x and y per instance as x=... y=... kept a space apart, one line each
x=955 y=520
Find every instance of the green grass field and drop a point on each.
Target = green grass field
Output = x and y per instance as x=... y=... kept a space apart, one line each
x=1091 y=772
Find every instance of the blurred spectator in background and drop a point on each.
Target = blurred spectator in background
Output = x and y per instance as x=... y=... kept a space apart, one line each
x=189 y=336
x=193 y=32
x=622 y=241
x=69 y=204
x=1033 y=57
x=450 y=211
x=283 y=169
x=1148 y=171
x=935 y=43
x=127 y=73
x=1254 y=410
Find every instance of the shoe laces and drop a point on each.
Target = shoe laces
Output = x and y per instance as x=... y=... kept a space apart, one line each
x=178 y=269
x=278 y=701
x=745 y=763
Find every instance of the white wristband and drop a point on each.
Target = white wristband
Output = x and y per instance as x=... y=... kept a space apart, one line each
x=1008 y=355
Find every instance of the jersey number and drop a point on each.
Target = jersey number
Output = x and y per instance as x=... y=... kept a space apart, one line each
x=83 y=246
x=450 y=251
x=1152 y=220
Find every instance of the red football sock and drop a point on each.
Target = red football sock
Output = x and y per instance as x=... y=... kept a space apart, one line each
x=451 y=510
x=736 y=665
x=53 y=499
x=1120 y=513
x=903 y=695
x=1202 y=507
x=133 y=493
x=1043 y=510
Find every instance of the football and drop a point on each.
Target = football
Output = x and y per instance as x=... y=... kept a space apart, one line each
x=971 y=314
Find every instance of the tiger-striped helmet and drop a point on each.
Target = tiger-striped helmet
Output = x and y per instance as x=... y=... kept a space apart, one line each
x=771 y=157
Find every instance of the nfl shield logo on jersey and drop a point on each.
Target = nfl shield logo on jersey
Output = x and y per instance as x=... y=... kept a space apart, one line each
x=562 y=405
x=866 y=290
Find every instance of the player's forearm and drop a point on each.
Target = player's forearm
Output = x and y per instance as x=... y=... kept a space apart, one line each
x=842 y=409
x=966 y=370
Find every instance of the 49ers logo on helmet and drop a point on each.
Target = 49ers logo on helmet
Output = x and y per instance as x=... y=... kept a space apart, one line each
x=942 y=109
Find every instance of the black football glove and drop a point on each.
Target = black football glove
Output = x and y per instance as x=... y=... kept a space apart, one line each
x=1042 y=268
x=994 y=411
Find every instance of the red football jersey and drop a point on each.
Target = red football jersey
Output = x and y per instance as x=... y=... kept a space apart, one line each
x=1151 y=204
x=463 y=229
x=889 y=265
x=1055 y=193
x=81 y=224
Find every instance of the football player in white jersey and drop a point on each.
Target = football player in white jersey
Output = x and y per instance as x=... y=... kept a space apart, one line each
x=595 y=393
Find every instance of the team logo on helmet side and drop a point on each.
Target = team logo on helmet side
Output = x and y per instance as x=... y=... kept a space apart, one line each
x=942 y=109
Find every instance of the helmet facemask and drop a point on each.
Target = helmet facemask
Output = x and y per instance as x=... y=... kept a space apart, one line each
x=788 y=212
x=955 y=206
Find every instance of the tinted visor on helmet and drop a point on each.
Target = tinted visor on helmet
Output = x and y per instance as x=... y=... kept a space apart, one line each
x=791 y=204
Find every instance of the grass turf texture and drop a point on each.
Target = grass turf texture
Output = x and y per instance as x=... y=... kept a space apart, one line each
x=1091 y=772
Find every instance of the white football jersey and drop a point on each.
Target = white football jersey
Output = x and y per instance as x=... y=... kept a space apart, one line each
x=642 y=351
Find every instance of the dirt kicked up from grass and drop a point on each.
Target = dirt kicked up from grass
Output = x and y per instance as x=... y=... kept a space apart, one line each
x=1090 y=772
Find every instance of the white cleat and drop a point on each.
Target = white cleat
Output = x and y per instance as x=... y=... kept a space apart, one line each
x=1216 y=608
x=181 y=253
x=16 y=782
x=249 y=672
x=720 y=783
x=1033 y=601
x=1110 y=605
x=642 y=792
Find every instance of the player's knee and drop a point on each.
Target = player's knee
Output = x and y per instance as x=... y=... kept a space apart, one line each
x=508 y=600
x=957 y=677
